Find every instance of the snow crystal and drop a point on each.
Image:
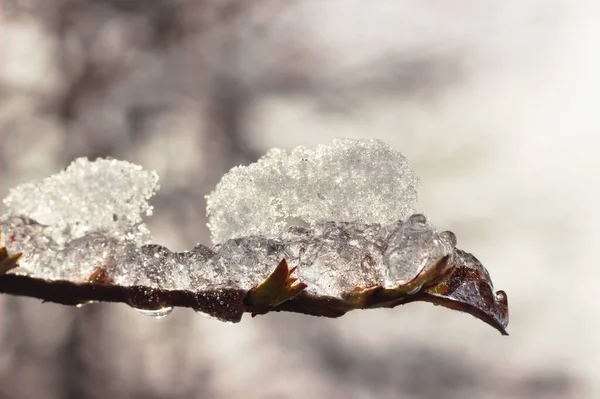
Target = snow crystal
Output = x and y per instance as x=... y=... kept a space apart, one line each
x=347 y=181
x=105 y=195
x=355 y=196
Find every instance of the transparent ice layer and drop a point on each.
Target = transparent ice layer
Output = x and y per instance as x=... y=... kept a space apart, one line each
x=355 y=199
x=332 y=258
x=348 y=181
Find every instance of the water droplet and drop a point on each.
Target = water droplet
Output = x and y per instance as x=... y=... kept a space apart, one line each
x=449 y=237
x=418 y=219
x=214 y=317
x=415 y=290
x=156 y=313
x=501 y=296
x=82 y=304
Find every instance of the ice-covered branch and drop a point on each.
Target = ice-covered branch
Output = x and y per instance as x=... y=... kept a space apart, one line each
x=320 y=232
x=229 y=304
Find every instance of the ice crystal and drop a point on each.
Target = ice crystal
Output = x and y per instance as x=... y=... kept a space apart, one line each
x=412 y=247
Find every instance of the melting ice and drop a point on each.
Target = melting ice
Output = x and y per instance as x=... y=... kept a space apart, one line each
x=341 y=213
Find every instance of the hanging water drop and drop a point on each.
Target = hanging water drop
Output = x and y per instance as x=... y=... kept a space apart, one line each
x=215 y=317
x=82 y=304
x=501 y=296
x=156 y=313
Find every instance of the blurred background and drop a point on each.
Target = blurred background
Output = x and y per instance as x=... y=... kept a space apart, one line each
x=495 y=104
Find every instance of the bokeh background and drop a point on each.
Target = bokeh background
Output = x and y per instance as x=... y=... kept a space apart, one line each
x=495 y=104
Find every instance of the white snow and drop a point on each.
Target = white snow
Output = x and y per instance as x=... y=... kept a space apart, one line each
x=105 y=195
x=346 y=181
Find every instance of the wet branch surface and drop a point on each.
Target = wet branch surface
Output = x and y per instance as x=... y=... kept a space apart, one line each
x=72 y=294
x=227 y=304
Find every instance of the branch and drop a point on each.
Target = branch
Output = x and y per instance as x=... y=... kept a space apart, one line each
x=278 y=292
x=140 y=297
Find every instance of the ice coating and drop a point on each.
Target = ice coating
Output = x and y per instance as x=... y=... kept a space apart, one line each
x=357 y=197
x=332 y=258
x=470 y=289
x=412 y=247
x=348 y=180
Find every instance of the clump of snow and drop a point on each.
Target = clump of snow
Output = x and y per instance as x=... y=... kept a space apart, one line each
x=347 y=181
x=105 y=195
x=72 y=222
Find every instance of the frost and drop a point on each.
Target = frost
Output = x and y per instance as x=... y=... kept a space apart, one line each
x=341 y=213
x=347 y=181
